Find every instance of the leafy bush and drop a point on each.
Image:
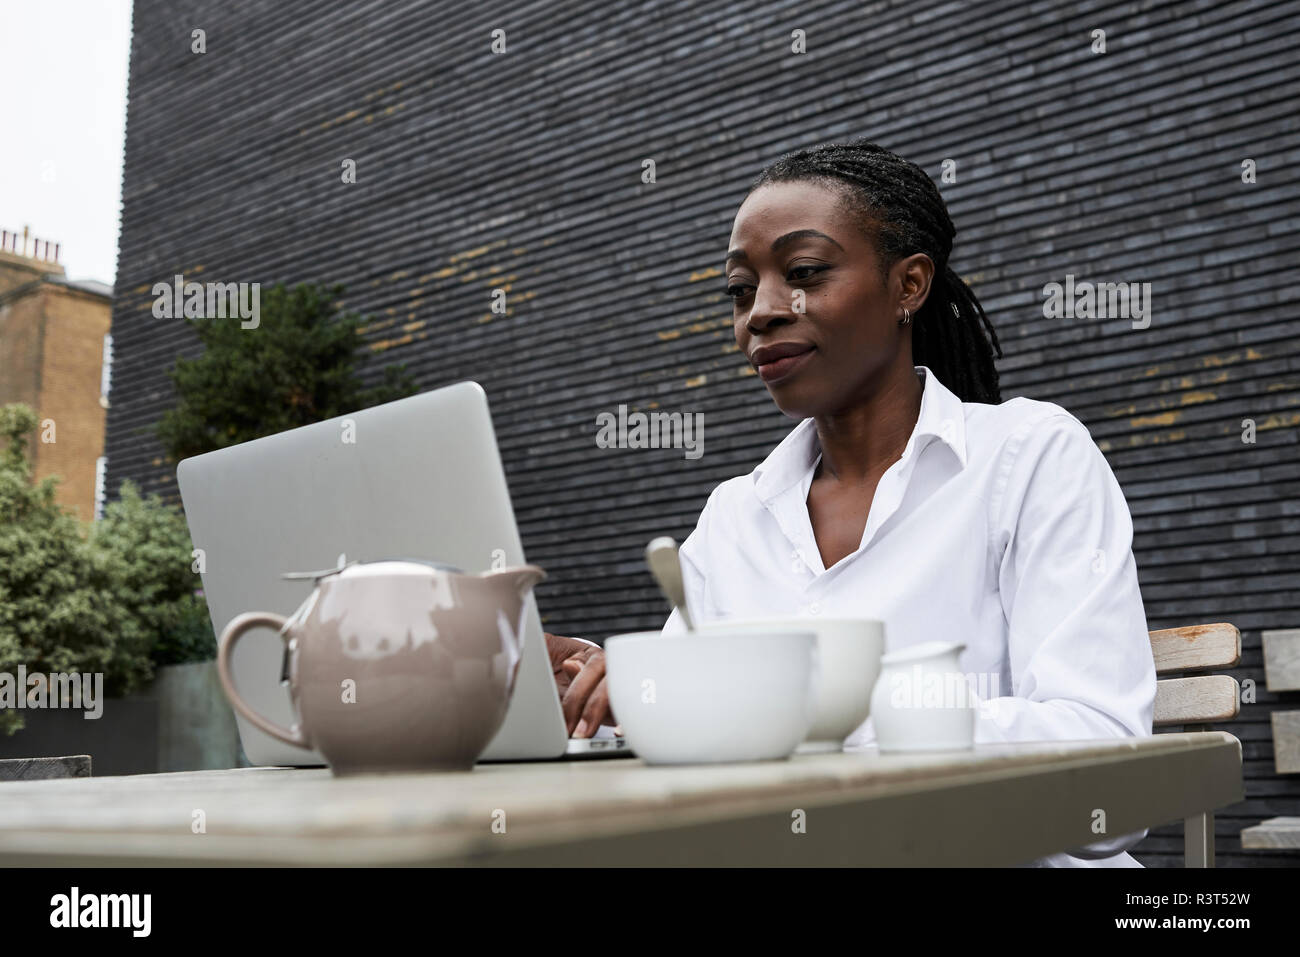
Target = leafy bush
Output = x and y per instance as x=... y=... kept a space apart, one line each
x=298 y=366
x=58 y=608
x=118 y=602
x=146 y=545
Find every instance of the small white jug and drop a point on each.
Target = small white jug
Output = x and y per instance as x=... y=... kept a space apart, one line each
x=922 y=701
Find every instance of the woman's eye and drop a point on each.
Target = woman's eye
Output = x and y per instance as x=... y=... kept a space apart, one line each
x=809 y=275
x=798 y=273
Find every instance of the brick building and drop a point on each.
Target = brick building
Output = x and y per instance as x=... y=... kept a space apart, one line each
x=54 y=342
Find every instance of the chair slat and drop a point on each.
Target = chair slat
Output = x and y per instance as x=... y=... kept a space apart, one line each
x=1203 y=699
x=1286 y=741
x=1196 y=647
x=1276 y=832
x=1281 y=658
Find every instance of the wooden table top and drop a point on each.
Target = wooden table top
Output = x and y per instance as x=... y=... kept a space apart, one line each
x=996 y=804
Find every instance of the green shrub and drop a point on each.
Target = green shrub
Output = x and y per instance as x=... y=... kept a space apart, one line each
x=59 y=610
x=145 y=544
x=117 y=602
x=297 y=367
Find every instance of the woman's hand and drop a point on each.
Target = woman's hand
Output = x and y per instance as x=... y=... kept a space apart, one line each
x=579 y=671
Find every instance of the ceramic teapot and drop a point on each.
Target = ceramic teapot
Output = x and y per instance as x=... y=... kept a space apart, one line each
x=395 y=665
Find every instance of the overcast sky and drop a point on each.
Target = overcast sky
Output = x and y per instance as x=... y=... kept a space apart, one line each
x=62 y=123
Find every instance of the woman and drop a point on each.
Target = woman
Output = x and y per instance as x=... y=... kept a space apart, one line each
x=909 y=492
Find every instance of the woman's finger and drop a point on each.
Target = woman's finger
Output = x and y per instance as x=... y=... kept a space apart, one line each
x=564 y=674
x=580 y=689
x=596 y=712
x=558 y=648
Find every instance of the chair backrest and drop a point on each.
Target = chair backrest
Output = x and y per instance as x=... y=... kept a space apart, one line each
x=1204 y=698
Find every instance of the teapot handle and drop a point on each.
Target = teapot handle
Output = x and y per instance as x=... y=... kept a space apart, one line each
x=226 y=646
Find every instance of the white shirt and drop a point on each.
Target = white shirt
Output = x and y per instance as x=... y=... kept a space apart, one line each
x=1002 y=527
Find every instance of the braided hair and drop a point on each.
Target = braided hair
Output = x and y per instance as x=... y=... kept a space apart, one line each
x=900 y=210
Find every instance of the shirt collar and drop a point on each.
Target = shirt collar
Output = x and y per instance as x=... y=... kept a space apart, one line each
x=942 y=416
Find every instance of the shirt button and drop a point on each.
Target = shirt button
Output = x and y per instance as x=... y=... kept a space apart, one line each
x=814 y=609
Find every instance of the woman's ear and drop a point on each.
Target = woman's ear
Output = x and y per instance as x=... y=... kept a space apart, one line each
x=916 y=275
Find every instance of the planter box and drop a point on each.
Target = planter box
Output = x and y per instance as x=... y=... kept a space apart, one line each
x=196 y=725
x=181 y=722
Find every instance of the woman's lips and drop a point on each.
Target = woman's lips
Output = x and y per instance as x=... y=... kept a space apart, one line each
x=780 y=368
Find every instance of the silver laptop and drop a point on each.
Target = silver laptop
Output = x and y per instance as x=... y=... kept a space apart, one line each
x=300 y=500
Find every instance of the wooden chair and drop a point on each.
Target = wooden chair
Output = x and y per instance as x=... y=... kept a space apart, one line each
x=1197 y=701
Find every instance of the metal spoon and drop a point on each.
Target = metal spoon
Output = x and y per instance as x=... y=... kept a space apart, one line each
x=661 y=556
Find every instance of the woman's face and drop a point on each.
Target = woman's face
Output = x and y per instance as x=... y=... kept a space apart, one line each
x=843 y=331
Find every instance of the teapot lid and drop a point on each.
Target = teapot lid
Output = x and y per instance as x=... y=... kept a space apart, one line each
x=382 y=566
x=394 y=566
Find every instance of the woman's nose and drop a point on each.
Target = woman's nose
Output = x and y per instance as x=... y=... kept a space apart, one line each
x=762 y=319
x=774 y=304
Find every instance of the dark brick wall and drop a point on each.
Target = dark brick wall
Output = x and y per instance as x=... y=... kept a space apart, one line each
x=476 y=171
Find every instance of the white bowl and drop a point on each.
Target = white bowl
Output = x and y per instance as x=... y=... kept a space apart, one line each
x=716 y=697
x=849 y=655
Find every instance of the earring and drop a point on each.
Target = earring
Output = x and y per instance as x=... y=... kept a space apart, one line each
x=907 y=317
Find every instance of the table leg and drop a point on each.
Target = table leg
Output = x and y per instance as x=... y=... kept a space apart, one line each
x=1198 y=840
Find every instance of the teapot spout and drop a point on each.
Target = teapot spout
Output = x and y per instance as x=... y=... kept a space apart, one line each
x=520 y=579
